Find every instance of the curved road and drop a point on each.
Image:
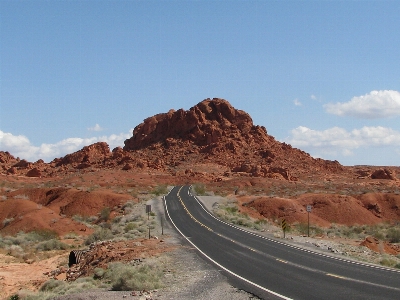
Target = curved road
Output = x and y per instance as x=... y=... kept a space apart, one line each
x=271 y=269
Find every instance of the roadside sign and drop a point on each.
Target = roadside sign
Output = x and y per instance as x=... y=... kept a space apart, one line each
x=284 y=226
x=308 y=219
x=148 y=208
x=148 y=211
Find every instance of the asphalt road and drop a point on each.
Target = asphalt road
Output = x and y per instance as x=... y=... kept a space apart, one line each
x=271 y=269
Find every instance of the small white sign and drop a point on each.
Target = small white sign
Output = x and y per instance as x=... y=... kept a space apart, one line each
x=308 y=208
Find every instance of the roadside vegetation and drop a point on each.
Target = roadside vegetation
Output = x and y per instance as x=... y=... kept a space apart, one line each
x=117 y=277
x=132 y=222
x=31 y=246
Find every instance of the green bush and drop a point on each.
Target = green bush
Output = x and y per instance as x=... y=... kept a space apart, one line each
x=199 y=189
x=51 y=245
x=127 y=278
x=387 y=262
x=160 y=190
x=130 y=226
x=231 y=209
x=101 y=234
x=51 y=285
x=393 y=235
x=40 y=235
x=98 y=273
x=105 y=214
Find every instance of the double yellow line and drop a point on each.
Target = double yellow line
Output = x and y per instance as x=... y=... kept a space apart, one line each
x=190 y=215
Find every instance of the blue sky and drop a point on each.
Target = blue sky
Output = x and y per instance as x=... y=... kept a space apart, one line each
x=323 y=76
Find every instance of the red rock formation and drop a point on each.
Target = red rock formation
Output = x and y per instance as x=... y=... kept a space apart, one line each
x=214 y=131
x=383 y=174
x=90 y=154
x=210 y=133
x=203 y=124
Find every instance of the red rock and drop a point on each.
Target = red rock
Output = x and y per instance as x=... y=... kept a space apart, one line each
x=35 y=172
x=383 y=174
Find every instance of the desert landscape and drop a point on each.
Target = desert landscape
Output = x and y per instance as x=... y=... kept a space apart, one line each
x=95 y=199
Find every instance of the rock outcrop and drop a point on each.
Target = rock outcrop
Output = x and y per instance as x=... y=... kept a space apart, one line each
x=212 y=138
x=214 y=131
x=206 y=123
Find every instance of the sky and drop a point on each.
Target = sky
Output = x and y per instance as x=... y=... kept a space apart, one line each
x=323 y=76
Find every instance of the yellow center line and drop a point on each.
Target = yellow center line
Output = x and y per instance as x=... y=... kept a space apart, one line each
x=190 y=215
x=282 y=261
x=336 y=276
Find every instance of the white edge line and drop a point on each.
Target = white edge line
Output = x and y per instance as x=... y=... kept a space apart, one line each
x=222 y=267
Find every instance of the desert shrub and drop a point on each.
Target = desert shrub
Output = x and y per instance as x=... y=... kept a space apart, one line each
x=15 y=250
x=105 y=225
x=39 y=235
x=357 y=229
x=393 y=235
x=199 y=189
x=387 y=262
x=160 y=190
x=231 y=209
x=51 y=245
x=315 y=230
x=261 y=222
x=98 y=273
x=376 y=231
x=14 y=297
x=105 y=214
x=130 y=226
x=126 y=278
x=117 y=220
x=52 y=288
x=84 y=219
x=302 y=228
x=100 y=234
x=71 y=235
x=128 y=206
x=51 y=285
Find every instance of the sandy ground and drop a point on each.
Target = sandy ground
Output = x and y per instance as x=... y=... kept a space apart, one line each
x=15 y=276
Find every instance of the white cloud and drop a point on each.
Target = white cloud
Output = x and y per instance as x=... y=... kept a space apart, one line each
x=96 y=127
x=376 y=104
x=313 y=97
x=339 y=141
x=297 y=102
x=20 y=146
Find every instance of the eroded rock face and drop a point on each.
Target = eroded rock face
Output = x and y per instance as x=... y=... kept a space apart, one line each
x=383 y=174
x=214 y=131
x=203 y=124
x=85 y=156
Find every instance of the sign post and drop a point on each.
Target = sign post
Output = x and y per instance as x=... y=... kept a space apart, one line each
x=308 y=213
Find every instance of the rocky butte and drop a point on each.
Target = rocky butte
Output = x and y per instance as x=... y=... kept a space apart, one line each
x=213 y=131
